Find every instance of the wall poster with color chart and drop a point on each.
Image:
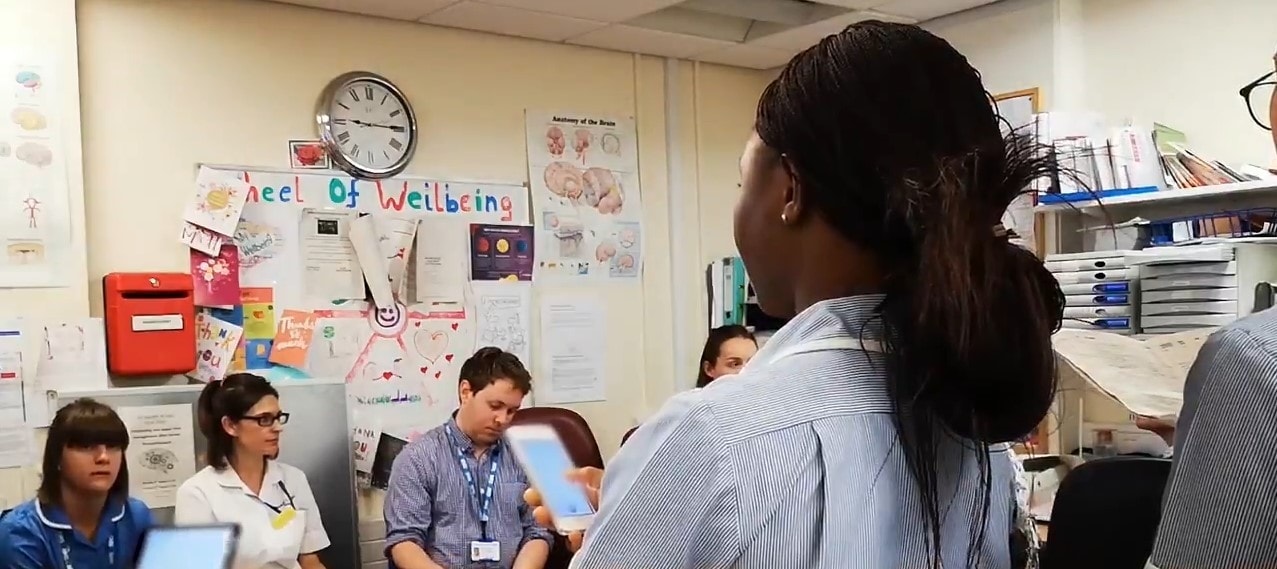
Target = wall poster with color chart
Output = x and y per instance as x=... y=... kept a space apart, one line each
x=35 y=207
x=585 y=194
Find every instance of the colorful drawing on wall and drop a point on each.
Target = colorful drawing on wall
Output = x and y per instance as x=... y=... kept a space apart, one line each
x=587 y=201
x=218 y=201
x=293 y=338
x=501 y=252
x=308 y=155
x=215 y=345
x=405 y=367
x=259 y=314
x=216 y=278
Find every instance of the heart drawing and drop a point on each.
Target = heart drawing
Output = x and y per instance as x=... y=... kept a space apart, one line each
x=430 y=344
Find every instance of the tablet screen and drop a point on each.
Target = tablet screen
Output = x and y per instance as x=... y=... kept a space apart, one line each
x=188 y=547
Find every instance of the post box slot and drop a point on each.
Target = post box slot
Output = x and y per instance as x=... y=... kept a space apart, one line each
x=154 y=294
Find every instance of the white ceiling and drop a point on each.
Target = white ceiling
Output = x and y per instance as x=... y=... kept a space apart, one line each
x=759 y=34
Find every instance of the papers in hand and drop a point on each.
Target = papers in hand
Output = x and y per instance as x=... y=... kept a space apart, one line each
x=1145 y=376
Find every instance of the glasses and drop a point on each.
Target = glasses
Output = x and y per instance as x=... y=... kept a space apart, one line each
x=1259 y=95
x=267 y=419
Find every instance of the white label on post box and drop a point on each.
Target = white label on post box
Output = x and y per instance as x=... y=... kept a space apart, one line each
x=157 y=322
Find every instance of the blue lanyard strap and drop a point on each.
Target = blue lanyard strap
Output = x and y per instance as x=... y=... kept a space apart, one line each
x=482 y=499
x=66 y=550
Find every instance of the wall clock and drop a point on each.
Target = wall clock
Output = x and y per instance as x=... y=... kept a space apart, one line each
x=367 y=125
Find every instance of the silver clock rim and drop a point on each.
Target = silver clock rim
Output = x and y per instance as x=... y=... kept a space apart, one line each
x=324 y=127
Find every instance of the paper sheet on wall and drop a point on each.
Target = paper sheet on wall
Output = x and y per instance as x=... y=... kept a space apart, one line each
x=215 y=344
x=161 y=451
x=585 y=195
x=503 y=317
x=1145 y=376
x=218 y=201
x=35 y=214
x=364 y=439
x=73 y=356
x=441 y=264
x=395 y=236
x=330 y=266
x=374 y=265
x=573 y=346
x=268 y=239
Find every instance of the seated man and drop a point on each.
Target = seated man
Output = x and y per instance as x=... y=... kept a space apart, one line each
x=455 y=497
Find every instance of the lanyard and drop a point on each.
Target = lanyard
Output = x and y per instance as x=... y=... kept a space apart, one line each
x=287 y=496
x=483 y=505
x=66 y=550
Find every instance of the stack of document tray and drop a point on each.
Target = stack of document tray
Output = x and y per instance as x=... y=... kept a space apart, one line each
x=1194 y=286
x=1099 y=290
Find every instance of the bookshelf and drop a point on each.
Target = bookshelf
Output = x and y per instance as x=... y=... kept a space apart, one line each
x=1218 y=194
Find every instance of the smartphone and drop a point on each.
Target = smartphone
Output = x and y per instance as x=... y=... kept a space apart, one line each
x=545 y=460
x=189 y=547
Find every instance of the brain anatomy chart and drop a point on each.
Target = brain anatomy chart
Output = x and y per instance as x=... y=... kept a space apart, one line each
x=585 y=194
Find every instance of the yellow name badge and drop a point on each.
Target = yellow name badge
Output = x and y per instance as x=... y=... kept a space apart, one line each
x=282 y=520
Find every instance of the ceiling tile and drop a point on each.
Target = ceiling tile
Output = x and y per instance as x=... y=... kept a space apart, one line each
x=921 y=10
x=652 y=42
x=803 y=37
x=597 y=10
x=751 y=56
x=394 y=9
x=510 y=21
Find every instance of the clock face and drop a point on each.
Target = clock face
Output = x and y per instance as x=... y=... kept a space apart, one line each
x=370 y=127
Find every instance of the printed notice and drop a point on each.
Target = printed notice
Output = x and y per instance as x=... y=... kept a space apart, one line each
x=573 y=350
x=330 y=267
x=161 y=451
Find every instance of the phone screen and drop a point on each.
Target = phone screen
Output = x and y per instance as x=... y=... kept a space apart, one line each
x=550 y=461
x=188 y=547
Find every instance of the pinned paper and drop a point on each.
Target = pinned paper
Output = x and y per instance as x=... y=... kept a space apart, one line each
x=293 y=338
x=259 y=313
x=365 y=447
x=216 y=277
x=215 y=345
x=218 y=201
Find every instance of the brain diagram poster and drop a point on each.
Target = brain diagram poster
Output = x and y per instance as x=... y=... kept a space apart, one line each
x=583 y=170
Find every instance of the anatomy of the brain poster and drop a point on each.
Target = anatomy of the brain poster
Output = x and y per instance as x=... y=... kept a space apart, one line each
x=585 y=194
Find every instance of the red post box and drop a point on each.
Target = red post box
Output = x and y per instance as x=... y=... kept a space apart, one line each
x=150 y=323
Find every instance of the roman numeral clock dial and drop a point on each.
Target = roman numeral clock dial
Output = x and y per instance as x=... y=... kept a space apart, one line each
x=367 y=125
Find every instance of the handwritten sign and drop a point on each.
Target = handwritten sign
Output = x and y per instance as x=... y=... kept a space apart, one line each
x=292 y=338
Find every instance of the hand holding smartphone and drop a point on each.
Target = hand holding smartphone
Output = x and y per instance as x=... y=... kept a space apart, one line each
x=190 y=547
x=545 y=460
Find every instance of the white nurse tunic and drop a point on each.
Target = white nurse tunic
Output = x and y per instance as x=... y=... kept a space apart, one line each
x=276 y=526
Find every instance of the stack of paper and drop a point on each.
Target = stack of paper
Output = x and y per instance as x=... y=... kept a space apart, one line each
x=1145 y=376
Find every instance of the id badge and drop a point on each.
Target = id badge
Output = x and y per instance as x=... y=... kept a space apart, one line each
x=281 y=520
x=485 y=551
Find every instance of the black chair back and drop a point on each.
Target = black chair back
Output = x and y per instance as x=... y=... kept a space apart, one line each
x=1106 y=513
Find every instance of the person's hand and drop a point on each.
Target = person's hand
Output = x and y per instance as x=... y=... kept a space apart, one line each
x=1159 y=427
x=589 y=479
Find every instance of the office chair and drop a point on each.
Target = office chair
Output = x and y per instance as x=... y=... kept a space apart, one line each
x=582 y=447
x=1106 y=513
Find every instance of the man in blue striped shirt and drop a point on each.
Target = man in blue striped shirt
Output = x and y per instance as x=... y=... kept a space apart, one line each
x=456 y=495
x=1220 y=508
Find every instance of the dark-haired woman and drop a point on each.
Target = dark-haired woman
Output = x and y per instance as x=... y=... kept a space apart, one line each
x=727 y=349
x=863 y=434
x=82 y=516
x=243 y=483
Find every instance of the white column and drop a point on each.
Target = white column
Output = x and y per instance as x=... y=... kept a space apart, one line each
x=680 y=244
x=1069 y=61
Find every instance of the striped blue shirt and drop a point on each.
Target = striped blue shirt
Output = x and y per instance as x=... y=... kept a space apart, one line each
x=428 y=501
x=1220 y=507
x=794 y=463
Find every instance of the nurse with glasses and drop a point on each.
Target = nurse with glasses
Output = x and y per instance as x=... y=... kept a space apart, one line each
x=244 y=484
